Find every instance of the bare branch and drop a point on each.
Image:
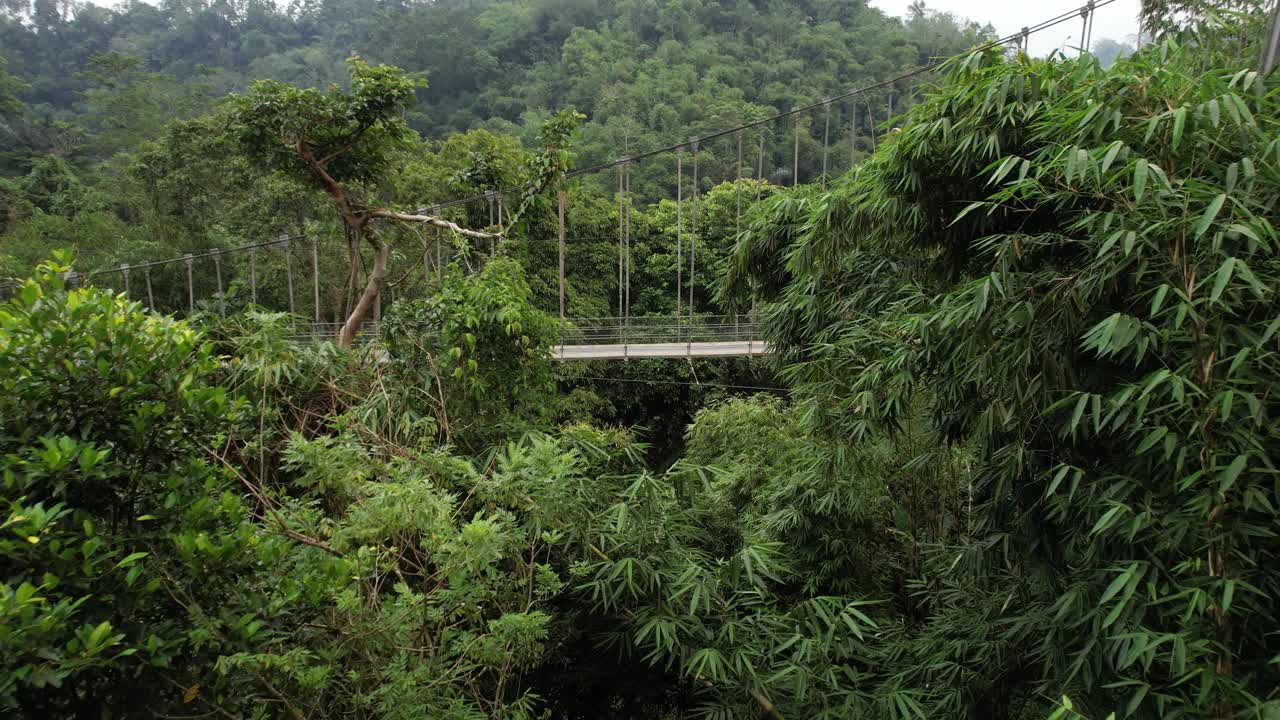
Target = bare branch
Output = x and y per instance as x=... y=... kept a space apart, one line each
x=430 y=220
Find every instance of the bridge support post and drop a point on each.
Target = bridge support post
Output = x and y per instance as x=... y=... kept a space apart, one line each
x=217 y=269
x=561 y=202
x=191 y=294
x=1271 y=47
x=288 y=273
x=315 y=276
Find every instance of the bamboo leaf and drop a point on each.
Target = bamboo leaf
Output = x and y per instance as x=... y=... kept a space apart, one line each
x=1222 y=277
x=1210 y=214
x=1139 y=180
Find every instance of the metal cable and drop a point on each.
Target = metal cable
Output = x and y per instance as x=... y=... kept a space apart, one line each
x=737 y=193
x=826 y=138
x=679 y=226
x=795 y=155
x=760 y=169
x=693 y=235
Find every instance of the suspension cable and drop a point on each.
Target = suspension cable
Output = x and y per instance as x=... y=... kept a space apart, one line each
x=760 y=167
x=737 y=193
x=826 y=138
x=679 y=227
x=693 y=236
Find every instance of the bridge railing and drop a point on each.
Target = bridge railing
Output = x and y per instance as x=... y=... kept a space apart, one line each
x=659 y=329
x=601 y=330
x=316 y=332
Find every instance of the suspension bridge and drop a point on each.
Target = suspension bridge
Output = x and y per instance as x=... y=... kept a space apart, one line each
x=689 y=332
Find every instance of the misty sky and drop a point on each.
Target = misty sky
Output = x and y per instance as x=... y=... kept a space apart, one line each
x=1118 y=20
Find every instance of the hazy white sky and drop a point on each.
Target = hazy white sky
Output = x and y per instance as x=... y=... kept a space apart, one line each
x=1118 y=20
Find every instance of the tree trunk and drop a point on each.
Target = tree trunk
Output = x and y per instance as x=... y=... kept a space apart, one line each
x=357 y=221
x=371 y=290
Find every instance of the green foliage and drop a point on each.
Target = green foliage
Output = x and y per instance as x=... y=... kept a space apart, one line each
x=1076 y=268
x=125 y=105
x=350 y=133
x=123 y=543
x=480 y=348
x=10 y=87
x=52 y=186
x=824 y=504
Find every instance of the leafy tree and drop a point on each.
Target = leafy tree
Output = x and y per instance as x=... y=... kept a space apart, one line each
x=481 y=349
x=10 y=87
x=126 y=105
x=337 y=140
x=127 y=557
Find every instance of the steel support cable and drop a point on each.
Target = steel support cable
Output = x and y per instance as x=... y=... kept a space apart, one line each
x=191 y=293
x=1030 y=30
x=1084 y=29
x=760 y=168
x=288 y=273
x=679 y=227
x=315 y=275
x=826 y=139
x=560 y=202
x=620 y=290
x=795 y=154
x=627 y=195
x=737 y=193
x=737 y=211
x=853 y=134
x=693 y=235
x=222 y=297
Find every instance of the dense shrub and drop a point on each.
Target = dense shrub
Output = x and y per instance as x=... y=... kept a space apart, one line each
x=130 y=563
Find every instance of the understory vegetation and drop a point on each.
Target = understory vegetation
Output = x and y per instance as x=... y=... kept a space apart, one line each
x=1013 y=455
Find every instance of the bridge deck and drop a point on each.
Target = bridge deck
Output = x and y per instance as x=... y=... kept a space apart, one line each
x=613 y=351
x=701 y=336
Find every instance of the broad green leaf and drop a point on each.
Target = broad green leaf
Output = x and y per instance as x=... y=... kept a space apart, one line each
x=1105 y=521
x=1228 y=476
x=1139 y=180
x=1210 y=214
x=1118 y=583
x=1221 y=278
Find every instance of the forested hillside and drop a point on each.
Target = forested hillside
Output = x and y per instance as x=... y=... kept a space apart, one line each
x=497 y=64
x=1012 y=456
x=95 y=162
